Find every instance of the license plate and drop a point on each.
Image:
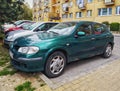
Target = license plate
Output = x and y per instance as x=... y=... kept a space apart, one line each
x=11 y=54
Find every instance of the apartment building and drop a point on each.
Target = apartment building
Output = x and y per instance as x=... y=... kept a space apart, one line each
x=68 y=10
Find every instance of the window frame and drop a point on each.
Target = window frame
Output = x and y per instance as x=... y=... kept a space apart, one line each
x=79 y=16
x=89 y=13
x=98 y=33
x=117 y=10
x=101 y=12
x=89 y=24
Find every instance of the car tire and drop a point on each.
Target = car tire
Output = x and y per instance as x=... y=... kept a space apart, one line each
x=108 y=51
x=55 y=64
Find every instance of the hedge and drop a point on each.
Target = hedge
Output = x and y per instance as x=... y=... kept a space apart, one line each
x=115 y=26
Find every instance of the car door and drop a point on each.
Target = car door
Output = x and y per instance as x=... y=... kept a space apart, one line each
x=100 y=35
x=83 y=46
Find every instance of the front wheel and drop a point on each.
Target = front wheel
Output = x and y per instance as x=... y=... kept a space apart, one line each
x=55 y=64
x=108 y=51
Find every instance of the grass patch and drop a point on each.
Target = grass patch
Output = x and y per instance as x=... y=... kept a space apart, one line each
x=25 y=87
x=8 y=71
x=4 y=55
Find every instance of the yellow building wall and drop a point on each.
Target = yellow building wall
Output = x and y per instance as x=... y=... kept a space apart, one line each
x=89 y=6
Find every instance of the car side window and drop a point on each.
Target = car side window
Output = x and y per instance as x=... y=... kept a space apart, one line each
x=86 y=27
x=52 y=24
x=42 y=27
x=98 y=28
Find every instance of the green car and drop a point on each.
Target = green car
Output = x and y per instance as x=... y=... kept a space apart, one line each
x=50 y=51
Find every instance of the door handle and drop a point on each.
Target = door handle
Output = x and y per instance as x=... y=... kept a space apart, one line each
x=92 y=38
x=107 y=36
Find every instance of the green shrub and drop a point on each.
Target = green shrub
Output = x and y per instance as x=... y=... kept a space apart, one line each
x=115 y=26
x=106 y=23
x=1 y=35
x=7 y=71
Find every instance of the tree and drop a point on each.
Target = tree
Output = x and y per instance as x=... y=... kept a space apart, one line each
x=27 y=13
x=10 y=10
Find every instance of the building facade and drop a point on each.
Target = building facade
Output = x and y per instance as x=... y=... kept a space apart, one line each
x=72 y=10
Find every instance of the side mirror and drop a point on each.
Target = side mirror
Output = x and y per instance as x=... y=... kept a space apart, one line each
x=81 y=33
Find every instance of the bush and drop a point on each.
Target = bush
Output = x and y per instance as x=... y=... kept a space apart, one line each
x=106 y=23
x=115 y=26
x=1 y=36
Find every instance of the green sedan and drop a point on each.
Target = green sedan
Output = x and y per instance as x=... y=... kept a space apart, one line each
x=50 y=51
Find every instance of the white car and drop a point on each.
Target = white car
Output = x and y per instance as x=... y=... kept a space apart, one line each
x=10 y=25
x=39 y=26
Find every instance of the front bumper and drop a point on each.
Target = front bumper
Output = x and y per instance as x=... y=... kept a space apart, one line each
x=27 y=64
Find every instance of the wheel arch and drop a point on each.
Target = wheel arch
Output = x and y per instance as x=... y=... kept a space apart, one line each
x=54 y=50
x=112 y=44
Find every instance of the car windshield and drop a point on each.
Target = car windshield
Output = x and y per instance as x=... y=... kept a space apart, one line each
x=63 y=28
x=33 y=26
x=18 y=22
x=26 y=26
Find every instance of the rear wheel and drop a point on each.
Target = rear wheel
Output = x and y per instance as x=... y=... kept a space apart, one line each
x=55 y=64
x=108 y=51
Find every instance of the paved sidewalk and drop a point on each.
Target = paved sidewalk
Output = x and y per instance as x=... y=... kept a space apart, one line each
x=116 y=35
x=106 y=78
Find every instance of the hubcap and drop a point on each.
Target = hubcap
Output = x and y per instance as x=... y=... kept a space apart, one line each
x=57 y=64
x=108 y=50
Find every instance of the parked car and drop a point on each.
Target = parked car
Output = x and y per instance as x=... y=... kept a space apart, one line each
x=10 y=25
x=66 y=42
x=22 y=26
x=39 y=26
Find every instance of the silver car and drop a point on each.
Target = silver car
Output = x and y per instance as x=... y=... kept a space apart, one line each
x=39 y=26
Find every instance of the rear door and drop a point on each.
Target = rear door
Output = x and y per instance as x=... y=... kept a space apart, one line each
x=100 y=34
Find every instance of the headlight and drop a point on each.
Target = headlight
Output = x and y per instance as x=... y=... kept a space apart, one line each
x=28 y=50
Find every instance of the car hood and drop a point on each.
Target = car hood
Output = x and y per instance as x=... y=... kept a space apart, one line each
x=39 y=37
x=19 y=33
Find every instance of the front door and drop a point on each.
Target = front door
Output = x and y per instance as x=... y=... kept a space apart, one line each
x=83 y=46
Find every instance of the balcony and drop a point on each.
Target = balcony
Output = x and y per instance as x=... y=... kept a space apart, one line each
x=109 y=2
x=54 y=16
x=56 y=3
x=66 y=0
x=82 y=6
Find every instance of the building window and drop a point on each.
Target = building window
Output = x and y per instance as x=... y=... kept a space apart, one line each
x=78 y=2
x=89 y=1
x=104 y=11
x=118 y=10
x=89 y=13
x=64 y=15
x=71 y=15
x=70 y=4
x=78 y=14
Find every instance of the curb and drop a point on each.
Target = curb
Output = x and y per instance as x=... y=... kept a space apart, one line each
x=116 y=35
